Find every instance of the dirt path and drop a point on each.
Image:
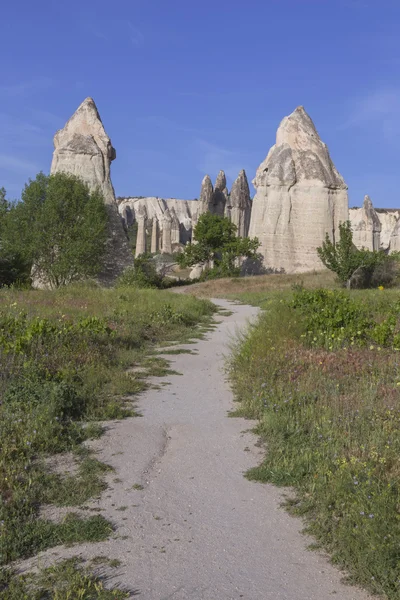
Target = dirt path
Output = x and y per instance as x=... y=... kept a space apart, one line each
x=198 y=529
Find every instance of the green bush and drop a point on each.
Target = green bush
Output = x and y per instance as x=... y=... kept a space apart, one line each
x=143 y=274
x=357 y=268
x=333 y=319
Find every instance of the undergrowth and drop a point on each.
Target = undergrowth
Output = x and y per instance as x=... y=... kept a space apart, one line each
x=66 y=580
x=321 y=373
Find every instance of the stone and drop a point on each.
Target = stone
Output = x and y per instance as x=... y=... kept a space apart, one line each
x=84 y=149
x=206 y=196
x=155 y=237
x=366 y=226
x=300 y=197
x=155 y=207
x=219 y=196
x=166 y=247
x=175 y=228
x=141 y=216
x=388 y=218
x=239 y=204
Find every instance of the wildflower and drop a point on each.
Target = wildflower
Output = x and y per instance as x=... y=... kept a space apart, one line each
x=362 y=513
x=371 y=516
x=380 y=287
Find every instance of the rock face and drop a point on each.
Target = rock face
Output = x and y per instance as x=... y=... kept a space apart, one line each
x=219 y=195
x=155 y=240
x=388 y=219
x=300 y=197
x=156 y=207
x=238 y=207
x=175 y=228
x=141 y=233
x=206 y=201
x=166 y=247
x=83 y=148
x=366 y=226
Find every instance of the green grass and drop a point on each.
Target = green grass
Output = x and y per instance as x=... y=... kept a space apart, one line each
x=329 y=411
x=66 y=580
x=67 y=361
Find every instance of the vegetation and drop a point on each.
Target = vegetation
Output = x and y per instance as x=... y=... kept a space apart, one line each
x=143 y=274
x=320 y=371
x=217 y=244
x=59 y=228
x=67 y=358
x=354 y=267
x=66 y=580
x=12 y=267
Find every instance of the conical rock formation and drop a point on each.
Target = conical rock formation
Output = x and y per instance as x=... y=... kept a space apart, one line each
x=83 y=148
x=238 y=207
x=366 y=226
x=300 y=197
x=206 y=196
x=220 y=195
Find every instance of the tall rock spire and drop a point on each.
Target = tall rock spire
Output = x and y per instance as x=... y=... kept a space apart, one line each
x=220 y=195
x=300 y=197
x=83 y=148
x=206 y=195
x=239 y=204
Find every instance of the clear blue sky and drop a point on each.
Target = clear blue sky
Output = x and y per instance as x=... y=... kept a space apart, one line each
x=186 y=88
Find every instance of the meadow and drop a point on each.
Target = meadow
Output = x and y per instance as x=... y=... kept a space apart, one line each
x=71 y=359
x=320 y=371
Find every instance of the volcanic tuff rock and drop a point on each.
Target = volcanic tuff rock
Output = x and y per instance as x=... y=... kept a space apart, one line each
x=238 y=207
x=141 y=217
x=206 y=196
x=219 y=196
x=84 y=149
x=388 y=219
x=155 y=236
x=300 y=197
x=156 y=207
x=166 y=247
x=366 y=226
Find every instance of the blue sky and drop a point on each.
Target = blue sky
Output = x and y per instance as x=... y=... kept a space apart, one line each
x=186 y=88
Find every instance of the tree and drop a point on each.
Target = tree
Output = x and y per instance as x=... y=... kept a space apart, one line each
x=354 y=267
x=59 y=228
x=216 y=242
x=13 y=268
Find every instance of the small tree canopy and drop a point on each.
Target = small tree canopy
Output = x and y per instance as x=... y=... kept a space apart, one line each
x=216 y=240
x=344 y=259
x=60 y=228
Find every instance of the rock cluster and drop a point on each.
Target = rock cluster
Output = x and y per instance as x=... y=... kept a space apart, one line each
x=83 y=148
x=300 y=197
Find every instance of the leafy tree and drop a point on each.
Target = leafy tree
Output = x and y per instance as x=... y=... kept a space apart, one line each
x=354 y=267
x=59 y=228
x=13 y=269
x=216 y=242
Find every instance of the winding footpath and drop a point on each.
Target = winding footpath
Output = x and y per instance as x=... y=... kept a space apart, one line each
x=188 y=523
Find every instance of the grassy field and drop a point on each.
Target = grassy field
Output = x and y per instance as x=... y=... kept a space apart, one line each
x=321 y=373
x=253 y=290
x=69 y=359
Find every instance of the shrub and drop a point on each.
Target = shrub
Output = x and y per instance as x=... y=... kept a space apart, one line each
x=356 y=268
x=143 y=274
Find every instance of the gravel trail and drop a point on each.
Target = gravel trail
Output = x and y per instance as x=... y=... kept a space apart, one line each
x=188 y=524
